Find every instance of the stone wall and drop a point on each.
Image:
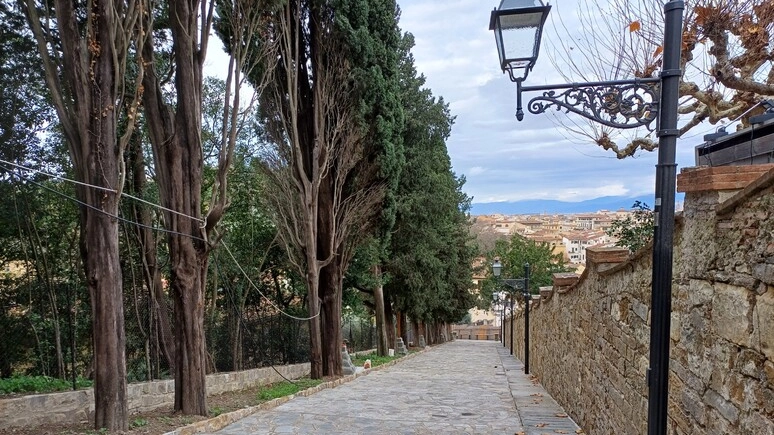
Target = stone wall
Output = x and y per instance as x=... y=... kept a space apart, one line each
x=476 y=332
x=589 y=334
x=75 y=406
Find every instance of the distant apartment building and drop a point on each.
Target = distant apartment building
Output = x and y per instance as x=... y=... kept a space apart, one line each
x=552 y=239
x=507 y=226
x=576 y=243
x=529 y=226
x=600 y=220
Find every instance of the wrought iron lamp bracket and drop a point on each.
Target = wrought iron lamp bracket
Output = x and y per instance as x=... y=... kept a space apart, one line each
x=618 y=104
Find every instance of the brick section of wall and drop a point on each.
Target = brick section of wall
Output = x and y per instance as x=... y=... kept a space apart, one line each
x=706 y=178
x=75 y=406
x=590 y=341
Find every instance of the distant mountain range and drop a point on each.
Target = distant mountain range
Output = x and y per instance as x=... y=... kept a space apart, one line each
x=538 y=206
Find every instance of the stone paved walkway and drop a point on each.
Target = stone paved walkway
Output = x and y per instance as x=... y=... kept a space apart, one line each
x=462 y=387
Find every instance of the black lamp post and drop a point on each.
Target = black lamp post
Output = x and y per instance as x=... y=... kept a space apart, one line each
x=523 y=285
x=348 y=310
x=518 y=25
x=497 y=304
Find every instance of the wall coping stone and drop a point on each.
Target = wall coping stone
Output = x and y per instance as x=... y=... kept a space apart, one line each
x=546 y=292
x=761 y=183
x=596 y=255
x=718 y=178
x=565 y=279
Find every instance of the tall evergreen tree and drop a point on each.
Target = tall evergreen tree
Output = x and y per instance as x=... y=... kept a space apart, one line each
x=430 y=251
x=330 y=110
x=370 y=44
x=85 y=48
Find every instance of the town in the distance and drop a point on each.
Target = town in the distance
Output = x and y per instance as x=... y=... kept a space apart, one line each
x=568 y=235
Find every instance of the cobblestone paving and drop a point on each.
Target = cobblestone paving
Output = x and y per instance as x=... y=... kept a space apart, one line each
x=457 y=388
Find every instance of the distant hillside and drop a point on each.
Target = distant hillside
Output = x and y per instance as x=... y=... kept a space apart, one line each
x=538 y=206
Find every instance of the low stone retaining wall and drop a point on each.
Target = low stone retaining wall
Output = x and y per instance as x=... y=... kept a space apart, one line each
x=76 y=406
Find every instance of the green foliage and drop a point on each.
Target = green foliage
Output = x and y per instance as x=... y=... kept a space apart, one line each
x=39 y=384
x=431 y=250
x=285 y=388
x=24 y=109
x=138 y=422
x=634 y=231
x=514 y=254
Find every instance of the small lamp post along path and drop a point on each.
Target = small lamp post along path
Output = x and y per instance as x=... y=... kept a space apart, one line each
x=518 y=26
x=523 y=285
x=348 y=317
x=497 y=305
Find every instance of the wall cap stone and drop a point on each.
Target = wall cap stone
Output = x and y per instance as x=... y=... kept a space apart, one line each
x=565 y=279
x=718 y=178
x=761 y=183
x=605 y=257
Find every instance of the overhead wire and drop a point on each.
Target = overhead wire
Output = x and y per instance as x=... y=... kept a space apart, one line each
x=122 y=219
x=243 y=322
x=233 y=258
x=107 y=189
x=252 y=284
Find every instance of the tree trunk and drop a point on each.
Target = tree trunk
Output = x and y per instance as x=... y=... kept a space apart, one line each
x=99 y=157
x=147 y=249
x=103 y=275
x=315 y=332
x=402 y=329
x=381 y=325
x=330 y=290
x=99 y=244
x=389 y=321
x=236 y=339
x=188 y=290
x=415 y=332
x=177 y=150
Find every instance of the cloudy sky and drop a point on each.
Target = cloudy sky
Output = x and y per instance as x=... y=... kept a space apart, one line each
x=503 y=159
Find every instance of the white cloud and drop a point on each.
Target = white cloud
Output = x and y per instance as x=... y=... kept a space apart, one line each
x=503 y=159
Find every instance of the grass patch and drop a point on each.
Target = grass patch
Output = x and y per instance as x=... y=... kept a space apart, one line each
x=376 y=360
x=39 y=384
x=285 y=388
x=138 y=422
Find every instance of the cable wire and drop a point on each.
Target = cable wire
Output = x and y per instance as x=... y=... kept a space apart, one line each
x=107 y=189
x=244 y=322
x=233 y=258
x=122 y=219
x=239 y=266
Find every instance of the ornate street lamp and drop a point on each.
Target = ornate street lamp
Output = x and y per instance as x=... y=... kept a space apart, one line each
x=497 y=268
x=620 y=104
x=518 y=26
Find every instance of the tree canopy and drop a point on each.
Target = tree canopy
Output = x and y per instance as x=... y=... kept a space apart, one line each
x=727 y=60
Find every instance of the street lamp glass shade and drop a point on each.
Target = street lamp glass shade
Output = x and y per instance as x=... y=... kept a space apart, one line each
x=518 y=27
x=497 y=267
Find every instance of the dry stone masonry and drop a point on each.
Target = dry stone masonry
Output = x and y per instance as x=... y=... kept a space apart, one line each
x=590 y=333
x=76 y=406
